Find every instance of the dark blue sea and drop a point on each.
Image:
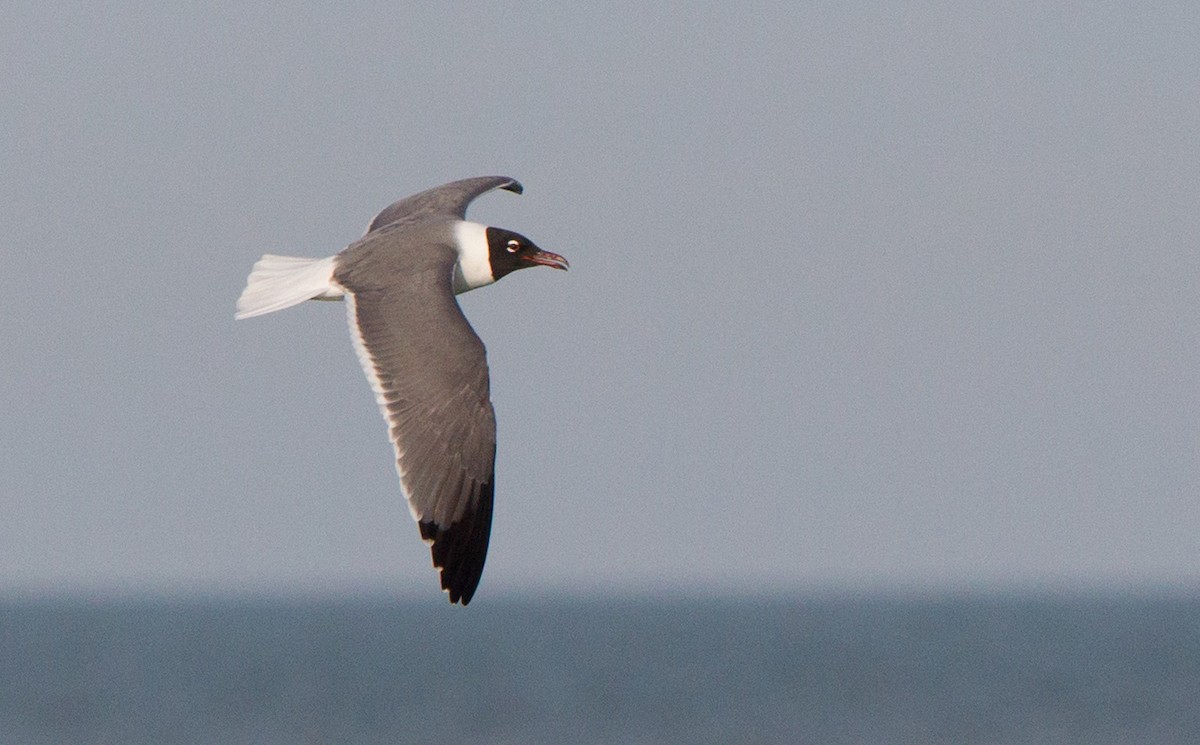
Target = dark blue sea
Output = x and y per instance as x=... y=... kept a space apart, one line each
x=956 y=669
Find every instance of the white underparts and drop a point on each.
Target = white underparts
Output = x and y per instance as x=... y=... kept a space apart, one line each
x=474 y=267
x=278 y=282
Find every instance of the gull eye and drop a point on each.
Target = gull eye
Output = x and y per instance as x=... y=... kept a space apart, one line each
x=514 y=246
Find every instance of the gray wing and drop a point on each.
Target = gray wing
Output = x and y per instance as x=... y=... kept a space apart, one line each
x=447 y=200
x=429 y=372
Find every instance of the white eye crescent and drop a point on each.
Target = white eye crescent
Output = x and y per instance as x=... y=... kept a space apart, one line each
x=514 y=246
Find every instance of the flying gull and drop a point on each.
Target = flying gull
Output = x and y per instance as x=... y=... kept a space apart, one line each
x=424 y=361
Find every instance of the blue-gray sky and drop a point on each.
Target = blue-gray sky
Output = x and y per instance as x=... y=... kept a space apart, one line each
x=897 y=296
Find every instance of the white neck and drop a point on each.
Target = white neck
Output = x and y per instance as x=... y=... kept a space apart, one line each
x=474 y=268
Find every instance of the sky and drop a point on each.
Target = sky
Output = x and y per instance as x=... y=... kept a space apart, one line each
x=891 y=296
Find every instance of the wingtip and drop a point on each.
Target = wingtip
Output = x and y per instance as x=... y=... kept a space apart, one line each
x=459 y=552
x=459 y=570
x=514 y=186
x=455 y=592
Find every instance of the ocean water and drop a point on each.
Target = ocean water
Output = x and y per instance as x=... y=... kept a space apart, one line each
x=956 y=669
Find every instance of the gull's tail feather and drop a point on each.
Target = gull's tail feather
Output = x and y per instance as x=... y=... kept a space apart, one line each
x=278 y=282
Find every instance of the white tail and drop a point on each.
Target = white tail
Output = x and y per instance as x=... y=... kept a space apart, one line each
x=278 y=282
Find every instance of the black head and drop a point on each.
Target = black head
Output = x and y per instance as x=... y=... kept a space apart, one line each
x=509 y=251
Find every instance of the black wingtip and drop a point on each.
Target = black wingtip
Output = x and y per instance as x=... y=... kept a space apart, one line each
x=514 y=186
x=460 y=550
